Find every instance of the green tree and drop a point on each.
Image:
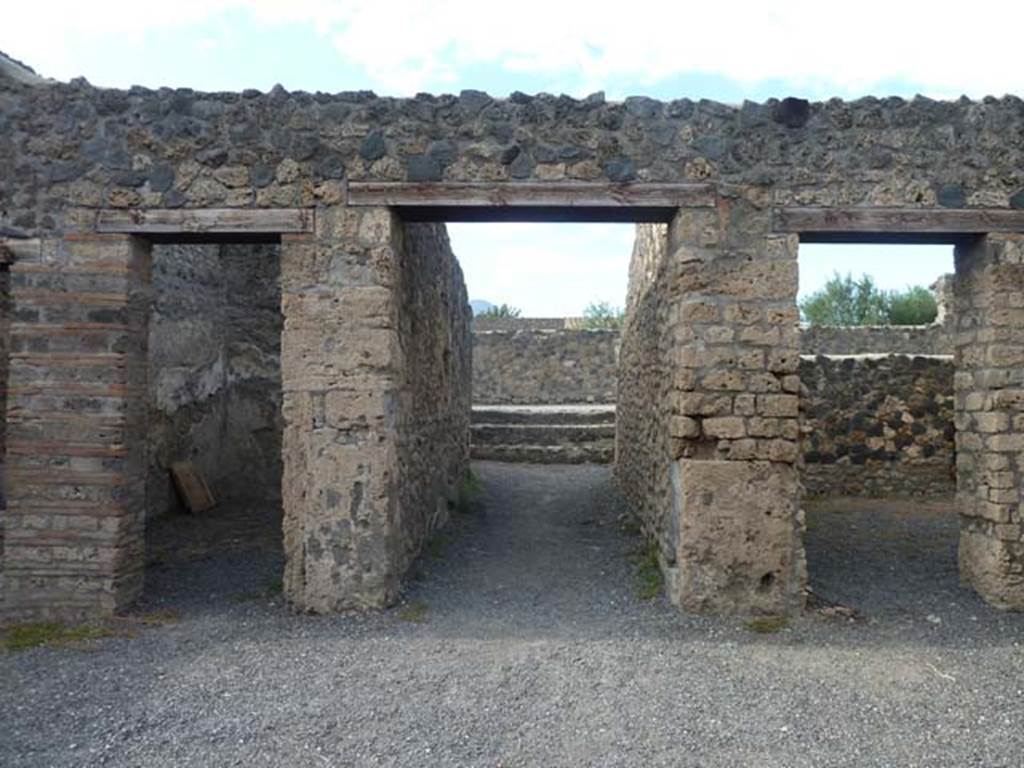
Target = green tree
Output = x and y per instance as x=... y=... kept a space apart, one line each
x=501 y=310
x=844 y=301
x=601 y=314
x=914 y=306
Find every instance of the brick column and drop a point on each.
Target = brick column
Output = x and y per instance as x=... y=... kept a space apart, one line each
x=734 y=428
x=339 y=358
x=989 y=386
x=76 y=427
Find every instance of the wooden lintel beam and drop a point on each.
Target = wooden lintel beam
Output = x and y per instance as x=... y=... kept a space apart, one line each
x=533 y=194
x=205 y=221
x=833 y=223
x=13 y=251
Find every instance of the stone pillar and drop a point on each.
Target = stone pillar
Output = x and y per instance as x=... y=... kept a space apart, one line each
x=734 y=429
x=76 y=416
x=989 y=386
x=340 y=360
x=5 y=318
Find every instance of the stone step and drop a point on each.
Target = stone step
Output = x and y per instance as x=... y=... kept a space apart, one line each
x=543 y=414
x=601 y=452
x=541 y=434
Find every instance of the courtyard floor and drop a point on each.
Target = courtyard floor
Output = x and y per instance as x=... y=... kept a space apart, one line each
x=524 y=640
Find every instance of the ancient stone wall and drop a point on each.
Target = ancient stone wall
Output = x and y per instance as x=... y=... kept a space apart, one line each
x=729 y=348
x=934 y=339
x=433 y=389
x=71 y=148
x=878 y=425
x=544 y=367
x=76 y=450
x=376 y=380
x=5 y=315
x=251 y=465
x=735 y=407
x=989 y=385
x=214 y=346
x=873 y=424
x=521 y=323
x=643 y=455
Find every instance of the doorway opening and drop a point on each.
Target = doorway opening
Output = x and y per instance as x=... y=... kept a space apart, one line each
x=548 y=302
x=548 y=306
x=877 y=410
x=214 y=405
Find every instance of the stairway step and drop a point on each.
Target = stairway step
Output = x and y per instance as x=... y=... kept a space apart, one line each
x=541 y=434
x=543 y=414
x=587 y=453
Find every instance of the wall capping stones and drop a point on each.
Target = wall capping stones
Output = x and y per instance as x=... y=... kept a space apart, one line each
x=875 y=356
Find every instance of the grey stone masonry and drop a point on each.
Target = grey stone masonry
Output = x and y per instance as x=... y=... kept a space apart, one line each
x=375 y=345
x=70 y=148
x=877 y=425
x=76 y=419
x=989 y=384
x=5 y=314
x=376 y=380
x=529 y=367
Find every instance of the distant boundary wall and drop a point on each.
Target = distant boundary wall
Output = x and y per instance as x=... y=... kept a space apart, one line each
x=876 y=402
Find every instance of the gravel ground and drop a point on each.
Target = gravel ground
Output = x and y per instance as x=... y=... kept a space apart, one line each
x=522 y=641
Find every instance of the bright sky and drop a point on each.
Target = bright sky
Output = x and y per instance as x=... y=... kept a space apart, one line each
x=724 y=51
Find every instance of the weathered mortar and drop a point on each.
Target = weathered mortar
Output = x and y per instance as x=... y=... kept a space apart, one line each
x=433 y=399
x=545 y=367
x=721 y=422
x=484 y=324
x=76 y=445
x=376 y=403
x=69 y=148
x=877 y=425
x=643 y=455
x=710 y=351
x=873 y=424
x=5 y=314
x=989 y=385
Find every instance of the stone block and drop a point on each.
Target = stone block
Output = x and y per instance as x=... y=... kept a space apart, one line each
x=739 y=548
x=778 y=405
x=728 y=427
x=991 y=566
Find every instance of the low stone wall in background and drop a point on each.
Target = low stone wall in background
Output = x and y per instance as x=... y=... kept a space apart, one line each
x=878 y=425
x=934 y=339
x=874 y=424
x=484 y=323
x=525 y=367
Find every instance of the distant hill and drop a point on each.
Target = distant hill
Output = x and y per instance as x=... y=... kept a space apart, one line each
x=480 y=305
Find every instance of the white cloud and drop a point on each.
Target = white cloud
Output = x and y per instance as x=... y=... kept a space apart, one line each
x=406 y=45
x=547 y=270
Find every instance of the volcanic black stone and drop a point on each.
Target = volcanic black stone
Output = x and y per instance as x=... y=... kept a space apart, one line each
x=372 y=146
x=423 y=168
x=792 y=112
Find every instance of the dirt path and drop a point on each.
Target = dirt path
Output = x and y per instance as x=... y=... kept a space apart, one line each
x=523 y=642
